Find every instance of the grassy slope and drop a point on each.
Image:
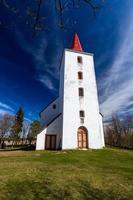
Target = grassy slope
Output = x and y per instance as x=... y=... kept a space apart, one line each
x=69 y=175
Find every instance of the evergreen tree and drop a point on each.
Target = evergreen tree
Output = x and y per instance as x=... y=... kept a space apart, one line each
x=35 y=128
x=18 y=124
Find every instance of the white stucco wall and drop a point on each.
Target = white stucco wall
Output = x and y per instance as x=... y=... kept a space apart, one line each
x=72 y=104
x=40 y=142
x=102 y=131
x=55 y=128
x=69 y=104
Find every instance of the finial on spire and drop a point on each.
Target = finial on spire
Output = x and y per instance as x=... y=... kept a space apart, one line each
x=76 y=43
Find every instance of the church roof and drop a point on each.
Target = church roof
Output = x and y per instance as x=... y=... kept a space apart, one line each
x=75 y=45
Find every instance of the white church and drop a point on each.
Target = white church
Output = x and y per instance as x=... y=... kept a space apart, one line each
x=73 y=120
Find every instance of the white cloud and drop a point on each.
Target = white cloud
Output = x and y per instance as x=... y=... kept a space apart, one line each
x=5 y=107
x=47 y=71
x=47 y=82
x=117 y=83
x=127 y=111
x=3 y=112
x=117 y=101
x=27 y=119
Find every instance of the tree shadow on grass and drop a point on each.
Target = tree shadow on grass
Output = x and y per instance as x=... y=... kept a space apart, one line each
x=90 y=193
x=31 y=190
x=49 y=189
x=19 y=148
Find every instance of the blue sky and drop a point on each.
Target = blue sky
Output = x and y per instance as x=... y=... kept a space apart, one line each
x=29 y=65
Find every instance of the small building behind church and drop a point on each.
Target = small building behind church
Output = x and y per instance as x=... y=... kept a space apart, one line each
x=73 y=120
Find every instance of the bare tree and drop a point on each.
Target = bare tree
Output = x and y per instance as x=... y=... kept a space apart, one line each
x=5 y=125
x=25 y=131
x=32 y=12
x=120 y=132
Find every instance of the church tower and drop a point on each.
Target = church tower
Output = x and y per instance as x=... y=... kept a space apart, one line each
x=75 y=121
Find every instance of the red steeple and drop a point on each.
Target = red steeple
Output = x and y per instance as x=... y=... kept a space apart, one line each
x=76 y=43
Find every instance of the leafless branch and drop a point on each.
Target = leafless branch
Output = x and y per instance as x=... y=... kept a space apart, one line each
x=33 y=17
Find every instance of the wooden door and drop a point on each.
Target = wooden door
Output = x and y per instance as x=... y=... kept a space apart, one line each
x=50 y=143
x=82 y=139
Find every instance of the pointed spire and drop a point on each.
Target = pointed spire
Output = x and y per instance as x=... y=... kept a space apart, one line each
x=76 y=43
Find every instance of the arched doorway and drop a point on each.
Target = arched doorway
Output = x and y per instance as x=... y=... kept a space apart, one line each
x=82 y=136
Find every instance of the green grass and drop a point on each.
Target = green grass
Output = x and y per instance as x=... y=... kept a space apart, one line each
x=66 y=175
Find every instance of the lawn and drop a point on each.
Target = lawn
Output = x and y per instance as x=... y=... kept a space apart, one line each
x=66 y=175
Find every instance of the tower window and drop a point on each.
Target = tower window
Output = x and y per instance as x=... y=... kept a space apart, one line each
x=81 y=120
x=79 y=59
x=80 y=75
x=81 y=92
x=54 y=106
x=82 y=113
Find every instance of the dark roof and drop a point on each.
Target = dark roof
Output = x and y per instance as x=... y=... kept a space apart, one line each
x=53 y=119
x=101 y=114
x=48 y=105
